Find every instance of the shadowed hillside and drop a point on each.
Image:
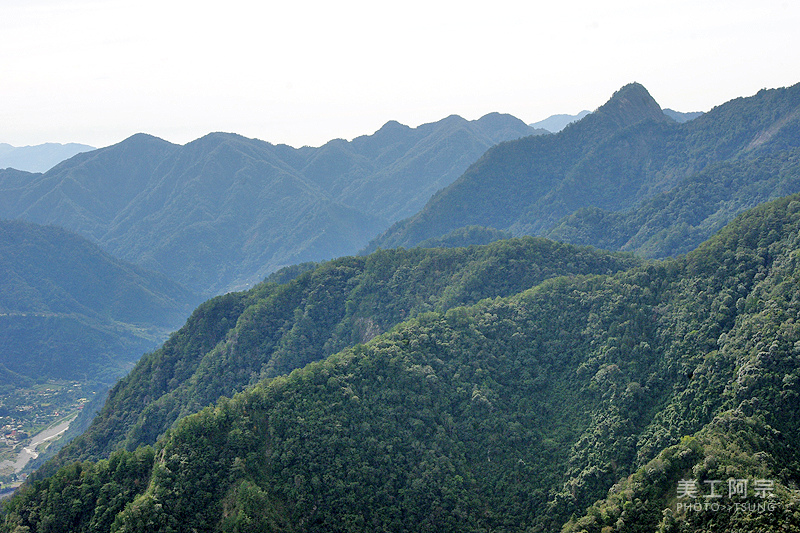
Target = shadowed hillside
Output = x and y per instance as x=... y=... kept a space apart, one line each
x=224 y=211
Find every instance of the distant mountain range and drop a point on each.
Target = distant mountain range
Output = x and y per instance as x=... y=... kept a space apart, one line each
x=680 y=117
x=38 y=158
x=68 y=310
x=224 y=211
x=625 y=176
x=556 y=123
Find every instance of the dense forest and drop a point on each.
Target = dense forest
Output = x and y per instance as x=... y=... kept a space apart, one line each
x=677 y=221
x=591 y=401
x=233 y=341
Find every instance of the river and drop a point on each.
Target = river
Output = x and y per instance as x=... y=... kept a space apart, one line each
x=29 y=452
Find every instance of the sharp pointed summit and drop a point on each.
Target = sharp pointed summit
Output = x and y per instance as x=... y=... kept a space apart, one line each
x=631 y=105
x=624 y=153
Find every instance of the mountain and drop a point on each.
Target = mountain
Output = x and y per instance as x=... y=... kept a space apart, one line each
x=596 y=403
x=73 y=320
x=465 y=237
x=222 y=212
x=680 y=117
x=412 y=164
x=617 y=159
x=233 y=341
x=556 y=123
x=678 y=220
x=38 y=158
x=70 y=311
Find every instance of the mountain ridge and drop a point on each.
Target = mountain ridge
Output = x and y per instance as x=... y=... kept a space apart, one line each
x=614 y=159
x=40 y=157
x=556 y=123
x=235 y=209
x=317 y=313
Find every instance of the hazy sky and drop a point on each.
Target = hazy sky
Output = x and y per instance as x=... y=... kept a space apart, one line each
x=304 y=72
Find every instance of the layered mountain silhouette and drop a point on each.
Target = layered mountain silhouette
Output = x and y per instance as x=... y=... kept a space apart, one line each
x=681 y=117
x=556 y=123
x=38 y=158
x=523 y=385
x=68 y=310
x=626 y=155
x=224 y=211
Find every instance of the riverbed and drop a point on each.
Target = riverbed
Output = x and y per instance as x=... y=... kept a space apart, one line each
x=29 y=452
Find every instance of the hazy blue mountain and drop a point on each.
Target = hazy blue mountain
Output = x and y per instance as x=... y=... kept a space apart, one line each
x=224 y=211
x=556 y=123
x=680 y=117
x=619 y=157
x=38 y=158
x=68 y=310
x=13 y=178
x=393 y=172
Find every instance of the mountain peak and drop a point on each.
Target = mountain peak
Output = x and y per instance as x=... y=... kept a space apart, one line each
x=137 y=143
x=393 y=126
x=219 y=137
x=390 y=130
x=631 y=104
x=499 y=120
x=142 y=138
x=40 y=157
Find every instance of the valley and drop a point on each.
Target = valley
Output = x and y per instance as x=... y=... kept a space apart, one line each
x=33 y=417
x=23 y=452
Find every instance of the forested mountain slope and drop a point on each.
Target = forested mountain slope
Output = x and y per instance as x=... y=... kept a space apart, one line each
x=222 y=212
x=69 y=310
x=233 y=341
x=682 y=181
x=512 y=414
x=678 y=220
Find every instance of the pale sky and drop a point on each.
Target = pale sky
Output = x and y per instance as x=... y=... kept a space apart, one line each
x=305 y=72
